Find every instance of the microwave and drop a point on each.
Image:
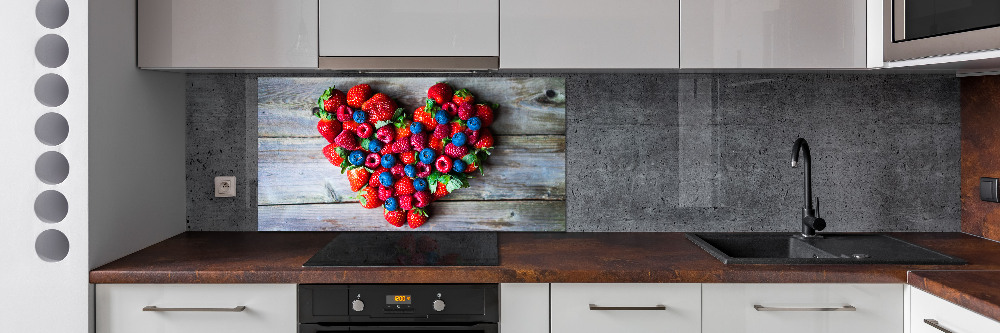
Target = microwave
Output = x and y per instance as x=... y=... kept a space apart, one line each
x=915 y=29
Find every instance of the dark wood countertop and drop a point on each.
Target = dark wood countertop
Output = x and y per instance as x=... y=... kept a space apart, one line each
x=277 y=257
x=978 y=291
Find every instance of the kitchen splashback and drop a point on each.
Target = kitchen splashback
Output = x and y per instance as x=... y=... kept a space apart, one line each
x=681 y=152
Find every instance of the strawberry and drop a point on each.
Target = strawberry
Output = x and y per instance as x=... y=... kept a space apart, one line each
x=405 y=202
x=364 y=130
x=409 y=157
x=350 y=126
x=384 y=193
x=466 y=111
x=385 y=134
x=437 y=145
x=419 y=141
x=485 y=139
x=416 y=218
x=422 y=198
x=374 y=181
x=328 y=128
x=441 y=93
x=403 y=129
x=346 y=140
x=395 y=217
x=423 y=116
x=454 y=151
x=358 y=94
x=358 y=178
x=485 y=114
x=335 y=99
x=463 y=96
x=331 y=153
x=456 y=127
x=345 y=114
x=471 y=167
x=404 y=186
x=442 y=131
x=379 y=107
x=369 y=198
x=441 y=191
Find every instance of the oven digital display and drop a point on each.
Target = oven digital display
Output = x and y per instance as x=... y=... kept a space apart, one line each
x=397 y=299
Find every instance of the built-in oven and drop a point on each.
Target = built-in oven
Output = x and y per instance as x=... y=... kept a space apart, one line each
x=467 y=308
x=927 y=28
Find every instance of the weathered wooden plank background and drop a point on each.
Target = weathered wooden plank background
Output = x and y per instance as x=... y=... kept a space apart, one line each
x=524 y=188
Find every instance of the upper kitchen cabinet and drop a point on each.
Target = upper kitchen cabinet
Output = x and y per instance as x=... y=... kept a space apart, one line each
x=575 y=34
x=406 y=34
x=221 y=34
x=780 y=34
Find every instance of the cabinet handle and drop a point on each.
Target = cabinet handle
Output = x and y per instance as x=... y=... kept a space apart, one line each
x=629 y=308
x=935 y=324
x=233 y=309
x=759 y=307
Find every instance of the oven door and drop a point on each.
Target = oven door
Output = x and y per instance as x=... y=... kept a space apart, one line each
x=473 y=328
x=926 y=28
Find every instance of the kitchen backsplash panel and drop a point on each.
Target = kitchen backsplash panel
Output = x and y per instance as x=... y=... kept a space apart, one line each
x=681 y=152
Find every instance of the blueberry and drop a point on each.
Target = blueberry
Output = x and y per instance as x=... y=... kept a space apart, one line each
x=360 y=117
x=427 y=156
x=474 y=123
x=416 y=128
x=419 y=184
x=374 y=146
x=388 y=161
x=459 y=139
x=357 y=157
x=458 y=166
x=391 y=204
x=385 y=179
x=441 y=117
x=410 y=170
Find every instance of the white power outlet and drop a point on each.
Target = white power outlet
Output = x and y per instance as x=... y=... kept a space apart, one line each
x=225 y=186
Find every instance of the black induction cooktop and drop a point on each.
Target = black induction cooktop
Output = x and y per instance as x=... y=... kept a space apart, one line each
x=409 y=249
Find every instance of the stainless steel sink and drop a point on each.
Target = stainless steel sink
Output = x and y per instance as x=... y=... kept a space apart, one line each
x=788 y=248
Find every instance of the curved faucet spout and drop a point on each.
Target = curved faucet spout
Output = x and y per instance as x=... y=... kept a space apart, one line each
x=810 y=222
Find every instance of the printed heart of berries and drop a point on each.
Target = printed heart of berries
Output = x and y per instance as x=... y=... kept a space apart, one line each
x=403 y=161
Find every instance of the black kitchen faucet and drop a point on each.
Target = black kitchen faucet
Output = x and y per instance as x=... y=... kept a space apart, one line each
x=810 y=222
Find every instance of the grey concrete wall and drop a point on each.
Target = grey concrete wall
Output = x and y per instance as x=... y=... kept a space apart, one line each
x=683 y=152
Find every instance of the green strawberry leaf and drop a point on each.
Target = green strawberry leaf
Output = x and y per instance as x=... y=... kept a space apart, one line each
x=493 y=106
x=341 y=152
x=364 y=202
x=428 y=104
x=382 y=123
x=370 y=170
x=420 y=211
x=470 y=159
x=453 y=185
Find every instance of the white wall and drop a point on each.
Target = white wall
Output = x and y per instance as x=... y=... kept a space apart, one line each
x=137 y=124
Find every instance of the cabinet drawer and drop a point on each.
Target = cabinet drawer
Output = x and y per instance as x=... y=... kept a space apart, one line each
x=729 y=308
x=948 y=315
x=633 y=308
x=268 y=308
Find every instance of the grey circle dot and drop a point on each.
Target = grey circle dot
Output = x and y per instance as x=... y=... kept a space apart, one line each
x=51 y=51
x=51 y=206
x=52 y=13
x=51 y=90
x=52 y=168
x=52 y=129
x=52 y=245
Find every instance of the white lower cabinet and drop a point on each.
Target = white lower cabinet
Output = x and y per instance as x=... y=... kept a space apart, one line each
x=930 y=314
x=196 y=308
x=626 y=307
x=802 y=308
x=524 y=308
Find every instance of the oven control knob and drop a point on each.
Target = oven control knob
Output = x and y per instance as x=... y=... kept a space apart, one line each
x=358 y=305
x=438 y=305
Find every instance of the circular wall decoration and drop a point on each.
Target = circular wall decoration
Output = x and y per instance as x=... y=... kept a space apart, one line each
x=52 y=13
x=51 y=51
x=51 y=90
x=52 y=245
x=52 y=167
x=51 y=129
x=51 y=206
